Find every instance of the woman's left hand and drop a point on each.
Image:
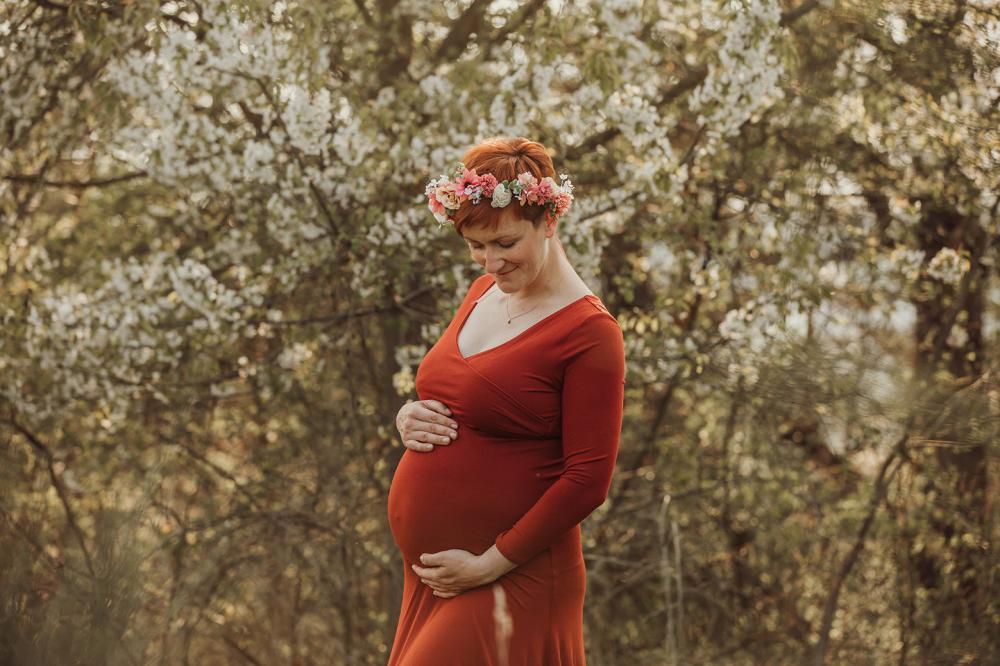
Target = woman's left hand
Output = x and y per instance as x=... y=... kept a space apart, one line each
x=451 y=572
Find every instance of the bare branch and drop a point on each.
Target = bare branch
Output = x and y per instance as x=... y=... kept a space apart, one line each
x=38 y=179
x=899 y=451
x=365 y=14
x=792 y=15
x=48 y=4
x=61 y=491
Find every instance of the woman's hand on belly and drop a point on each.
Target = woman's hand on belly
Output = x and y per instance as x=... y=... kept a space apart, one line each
x=451 y=572
x=424 y=423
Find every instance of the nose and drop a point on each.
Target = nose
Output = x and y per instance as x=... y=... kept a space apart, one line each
x=494 y=261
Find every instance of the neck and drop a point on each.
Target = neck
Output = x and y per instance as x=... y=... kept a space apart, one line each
x=552 y=276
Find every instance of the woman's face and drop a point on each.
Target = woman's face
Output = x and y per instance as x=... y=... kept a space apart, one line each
x=514 y=253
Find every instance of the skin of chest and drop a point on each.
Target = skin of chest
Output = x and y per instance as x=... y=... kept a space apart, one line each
x=487 y=325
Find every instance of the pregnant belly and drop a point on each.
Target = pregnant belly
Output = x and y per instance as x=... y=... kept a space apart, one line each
x=466 y=493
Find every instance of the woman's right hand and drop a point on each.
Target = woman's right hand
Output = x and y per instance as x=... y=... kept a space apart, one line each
x=424 y=423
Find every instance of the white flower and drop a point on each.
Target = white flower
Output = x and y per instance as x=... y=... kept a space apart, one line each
x=403 y=381
x=907 y=262
x=292 y=357
x=948 y=266
x=833 y=275
x=501 y=196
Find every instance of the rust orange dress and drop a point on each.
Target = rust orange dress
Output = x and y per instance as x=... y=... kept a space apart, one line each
x=539 y=423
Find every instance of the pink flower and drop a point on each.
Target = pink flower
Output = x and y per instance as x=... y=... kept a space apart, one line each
x=526 y=180
x=489 y=183
x=434 y=204
x=540 y=193
x=562 y=200
x=468 y=181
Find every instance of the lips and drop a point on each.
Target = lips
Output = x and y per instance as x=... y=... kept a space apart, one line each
x=507 y=273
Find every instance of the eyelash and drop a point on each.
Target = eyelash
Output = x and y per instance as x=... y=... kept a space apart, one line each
x=506 y=247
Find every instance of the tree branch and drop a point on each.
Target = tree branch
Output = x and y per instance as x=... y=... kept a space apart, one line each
x=514 y=23
x=365 y=14
x=61 y=491
x=48 y=4
x=689 y=82
x=899 y=450
x=792 y=15
x=457 y=38
x=38 y=179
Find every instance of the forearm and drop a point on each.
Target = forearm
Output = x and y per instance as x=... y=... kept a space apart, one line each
x=565 y=504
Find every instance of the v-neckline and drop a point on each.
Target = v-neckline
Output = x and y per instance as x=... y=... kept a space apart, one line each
x=519 y=336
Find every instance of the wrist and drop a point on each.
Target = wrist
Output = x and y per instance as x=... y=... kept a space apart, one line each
x=495 y=564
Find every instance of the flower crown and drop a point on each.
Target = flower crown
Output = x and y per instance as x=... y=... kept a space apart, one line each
x=446 y=193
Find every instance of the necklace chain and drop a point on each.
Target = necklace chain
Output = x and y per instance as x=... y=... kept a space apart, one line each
x=509 y=318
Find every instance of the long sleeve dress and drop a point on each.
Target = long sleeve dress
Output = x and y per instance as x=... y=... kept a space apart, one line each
x=539 y=424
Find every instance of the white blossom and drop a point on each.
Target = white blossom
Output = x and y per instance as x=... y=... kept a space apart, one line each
x=501 y=196
x=745 y=80
x=948 y=266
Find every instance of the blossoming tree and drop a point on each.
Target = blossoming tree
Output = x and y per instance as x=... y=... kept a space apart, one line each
x=219 y=274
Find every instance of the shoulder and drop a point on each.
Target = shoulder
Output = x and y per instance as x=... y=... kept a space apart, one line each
x=595 y=326
x=598 y=319
x=595 y=349
x=601 y=325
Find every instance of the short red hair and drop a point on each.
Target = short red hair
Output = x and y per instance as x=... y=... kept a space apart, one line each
x=506 y=159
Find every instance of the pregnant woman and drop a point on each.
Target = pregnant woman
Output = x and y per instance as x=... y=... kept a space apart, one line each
x=514 y=438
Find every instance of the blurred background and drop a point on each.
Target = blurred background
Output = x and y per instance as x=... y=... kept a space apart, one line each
x=218 y=274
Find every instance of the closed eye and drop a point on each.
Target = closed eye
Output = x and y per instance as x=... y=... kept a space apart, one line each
x=503 y=245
